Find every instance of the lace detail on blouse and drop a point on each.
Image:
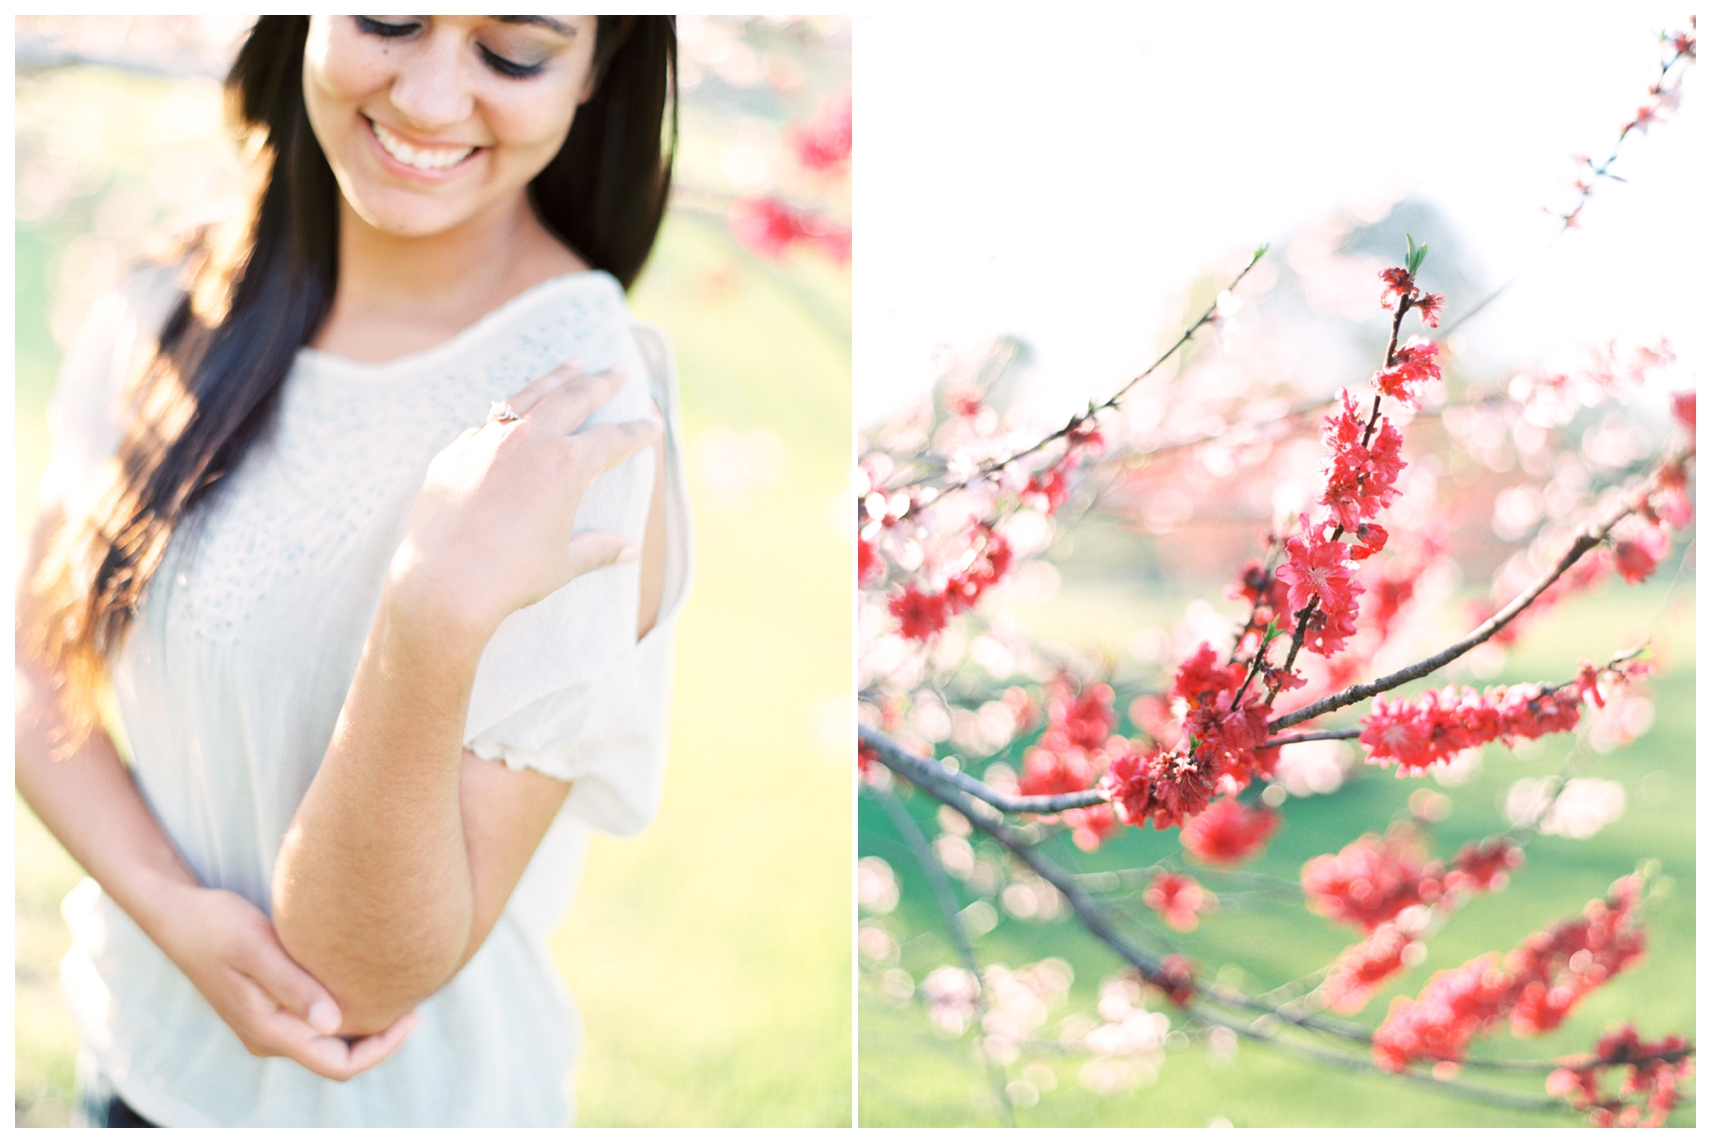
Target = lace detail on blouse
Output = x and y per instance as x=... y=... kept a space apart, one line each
x=350 y=439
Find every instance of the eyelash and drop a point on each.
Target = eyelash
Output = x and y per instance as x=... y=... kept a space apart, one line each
x=507 y=68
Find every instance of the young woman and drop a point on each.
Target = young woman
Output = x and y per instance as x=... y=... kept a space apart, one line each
x=371 y=519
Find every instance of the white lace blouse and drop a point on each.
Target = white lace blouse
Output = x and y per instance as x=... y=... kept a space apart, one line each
x=238 y=663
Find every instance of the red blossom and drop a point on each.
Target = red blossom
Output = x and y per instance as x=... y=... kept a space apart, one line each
x=1371 y=539
x=1398 y=284
x=1064 y=770
x=1048 y=490
x=1227 y=832
x=1085 y=434
x=770 y=228
x=1554 y=969
x=1456 y=1005
x=869 y=566
x=1091 y=827
x=1637 y=557
x=1429 y=306
x=1362 y=968
x=823 y=144
x=1483 y=867
x=1655 y=1070
x=1670 y=502
x=1415 y=733
x=1681 y=404
x=1372 y=879
x=1415 y=363
x=1359 y=479
x=921 y=614
x=1535 y=987
x=1175 y=978
x=1179 y=899
x=1318 y=569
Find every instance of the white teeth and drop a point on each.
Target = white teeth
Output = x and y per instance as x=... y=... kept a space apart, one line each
x=422 y=158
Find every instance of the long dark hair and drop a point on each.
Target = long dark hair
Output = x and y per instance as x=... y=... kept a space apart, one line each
x=228 y=347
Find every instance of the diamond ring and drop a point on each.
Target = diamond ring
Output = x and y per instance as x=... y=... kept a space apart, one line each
x=502 y=412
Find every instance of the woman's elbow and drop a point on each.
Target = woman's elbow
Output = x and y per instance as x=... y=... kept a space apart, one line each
x=375 y=976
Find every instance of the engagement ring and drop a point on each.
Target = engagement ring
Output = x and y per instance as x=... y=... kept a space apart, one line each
x=502 y=412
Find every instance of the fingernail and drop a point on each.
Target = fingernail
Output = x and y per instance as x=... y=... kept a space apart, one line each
x=629 y=555
x=324 y=1017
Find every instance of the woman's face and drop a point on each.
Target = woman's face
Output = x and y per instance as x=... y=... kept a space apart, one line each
x=430 y=122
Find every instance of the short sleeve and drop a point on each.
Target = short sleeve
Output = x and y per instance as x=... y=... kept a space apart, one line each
x=86 y=416
x=564 y=687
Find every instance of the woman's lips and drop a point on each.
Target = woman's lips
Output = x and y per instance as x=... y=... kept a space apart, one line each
x=423 y=160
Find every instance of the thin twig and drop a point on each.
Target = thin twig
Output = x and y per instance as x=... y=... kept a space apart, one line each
x=1110 y=402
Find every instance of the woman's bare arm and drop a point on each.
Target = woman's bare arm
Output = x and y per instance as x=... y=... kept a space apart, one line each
x=405 y=848
x=225 y=945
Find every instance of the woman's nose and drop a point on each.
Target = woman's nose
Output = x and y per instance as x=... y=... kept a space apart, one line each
x=431 y=90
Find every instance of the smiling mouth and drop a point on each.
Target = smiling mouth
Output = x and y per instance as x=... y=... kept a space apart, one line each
x=420 y=158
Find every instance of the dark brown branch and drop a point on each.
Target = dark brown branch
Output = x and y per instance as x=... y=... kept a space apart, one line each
x=931 y=778
x=1005 y=803
x=1311 y=736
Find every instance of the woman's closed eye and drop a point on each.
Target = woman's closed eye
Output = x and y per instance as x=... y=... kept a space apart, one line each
x=499 y=62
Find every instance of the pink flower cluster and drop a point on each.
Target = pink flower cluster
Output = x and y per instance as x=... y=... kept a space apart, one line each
x=1415 y=363
x=1555 y=968
x=1361 y=969
x=1535 y=987
x=823 y=144
x=1317 y=572
x=1399 y=287
x=1655 y=1070
x=1382 y=879
x=1359 y=478
x=1483 y=867
x=1071 y=754
x=1227 y=832
x=923 y=614
x=1415 y=733
x=1373 y=879
x=1217 y=751
x=770 y=227
x=1179 y=899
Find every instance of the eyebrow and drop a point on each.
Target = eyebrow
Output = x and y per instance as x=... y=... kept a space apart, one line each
x=546 y=22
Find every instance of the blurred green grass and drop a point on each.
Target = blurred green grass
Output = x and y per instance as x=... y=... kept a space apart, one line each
x=912 y=1075
x=711 y=955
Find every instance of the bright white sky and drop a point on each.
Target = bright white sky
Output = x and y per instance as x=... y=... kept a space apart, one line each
x=1062 y=177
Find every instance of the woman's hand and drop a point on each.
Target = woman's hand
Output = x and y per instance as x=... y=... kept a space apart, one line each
x=230 y=952
x=492 y=529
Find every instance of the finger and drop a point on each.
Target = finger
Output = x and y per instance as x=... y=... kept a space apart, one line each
x=605 y=447
x=371 y=1050
x=332 y=1056
x=565 y=408
x=591 y=550
x=525 y=398
x=294 y=990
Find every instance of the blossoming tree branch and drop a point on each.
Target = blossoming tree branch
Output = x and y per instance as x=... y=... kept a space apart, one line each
x=951 y=506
